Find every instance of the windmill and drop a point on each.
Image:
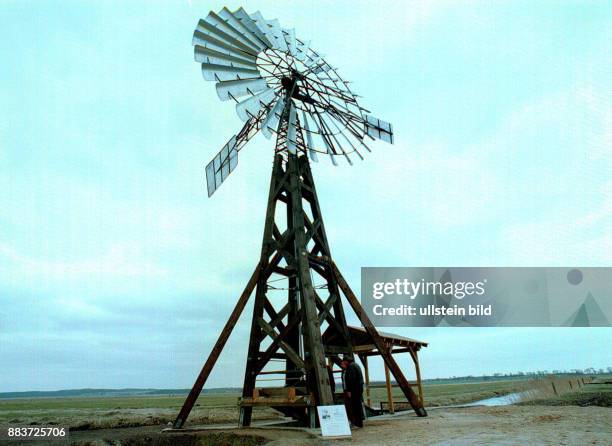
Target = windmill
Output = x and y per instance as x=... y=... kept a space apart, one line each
x=285 y=89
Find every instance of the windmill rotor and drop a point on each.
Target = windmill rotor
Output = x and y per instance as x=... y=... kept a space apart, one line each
x=272 y=75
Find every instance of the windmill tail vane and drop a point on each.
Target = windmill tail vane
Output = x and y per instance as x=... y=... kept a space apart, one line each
x=281 y=86
x=274 y=76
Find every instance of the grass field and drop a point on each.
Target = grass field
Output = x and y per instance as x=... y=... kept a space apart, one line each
x=597 y=393
x=106 y=412
x=456 y=393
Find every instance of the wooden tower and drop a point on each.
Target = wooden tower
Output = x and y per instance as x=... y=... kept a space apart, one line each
x=295 y=252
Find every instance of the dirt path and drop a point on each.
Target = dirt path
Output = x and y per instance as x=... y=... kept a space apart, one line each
x=508 y=425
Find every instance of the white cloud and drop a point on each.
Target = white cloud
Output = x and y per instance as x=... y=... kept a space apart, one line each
x=577 y=230
x=117 y=261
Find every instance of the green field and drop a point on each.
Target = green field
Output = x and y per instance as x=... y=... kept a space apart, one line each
x=130 y=411
x=113 y=403
x=102 y=412
x=436 y=395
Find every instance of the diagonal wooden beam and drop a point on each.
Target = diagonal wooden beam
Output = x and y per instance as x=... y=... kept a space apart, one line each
x=314 y=230
x=281 y=246
x=276 y=318
x=274 y=346
x=325 y=307
x=318 y=269
x=326 y=272
x=324 y=313
x=385 y=352
x=280 y=186
x=216 y=351
x=269 y=268
x=276 y=232
x=287 y=272
x=291 y=354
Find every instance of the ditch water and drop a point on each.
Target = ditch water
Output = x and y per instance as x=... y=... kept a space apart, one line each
x=503 y=400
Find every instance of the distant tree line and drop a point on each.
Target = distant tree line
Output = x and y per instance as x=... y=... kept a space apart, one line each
x=521 y=374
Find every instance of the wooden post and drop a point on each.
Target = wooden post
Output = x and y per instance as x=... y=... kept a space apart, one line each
x=389 y=389
x=364 y=360
x=415 y=358
x=554 y=388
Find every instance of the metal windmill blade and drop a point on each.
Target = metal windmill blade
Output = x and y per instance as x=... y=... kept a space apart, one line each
x=268 y=71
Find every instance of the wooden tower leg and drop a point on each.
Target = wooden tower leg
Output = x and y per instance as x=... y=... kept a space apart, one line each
x=257 y=322
x=250 y=374
x=385 y=352
x=389 y=390
x=415 y=359
x=216 y=351
x=314 y=353
x=316 y=230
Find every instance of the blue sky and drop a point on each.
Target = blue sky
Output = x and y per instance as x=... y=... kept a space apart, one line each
x=116 y=270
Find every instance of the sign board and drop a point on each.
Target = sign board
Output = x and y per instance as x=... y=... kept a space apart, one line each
x=334 y=422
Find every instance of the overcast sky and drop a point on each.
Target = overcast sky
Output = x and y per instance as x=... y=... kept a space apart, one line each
x=116 y=270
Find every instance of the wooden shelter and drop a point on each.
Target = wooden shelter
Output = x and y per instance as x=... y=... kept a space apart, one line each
x=363 y=348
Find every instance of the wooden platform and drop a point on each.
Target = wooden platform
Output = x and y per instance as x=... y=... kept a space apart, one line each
x=278 y=397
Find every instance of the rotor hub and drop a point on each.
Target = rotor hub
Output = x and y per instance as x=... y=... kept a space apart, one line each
x=288 y=83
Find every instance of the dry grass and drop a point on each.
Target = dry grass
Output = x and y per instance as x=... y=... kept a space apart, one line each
x=595 y=394
x=101 y=413
x=456 y=393
x=111 y=412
